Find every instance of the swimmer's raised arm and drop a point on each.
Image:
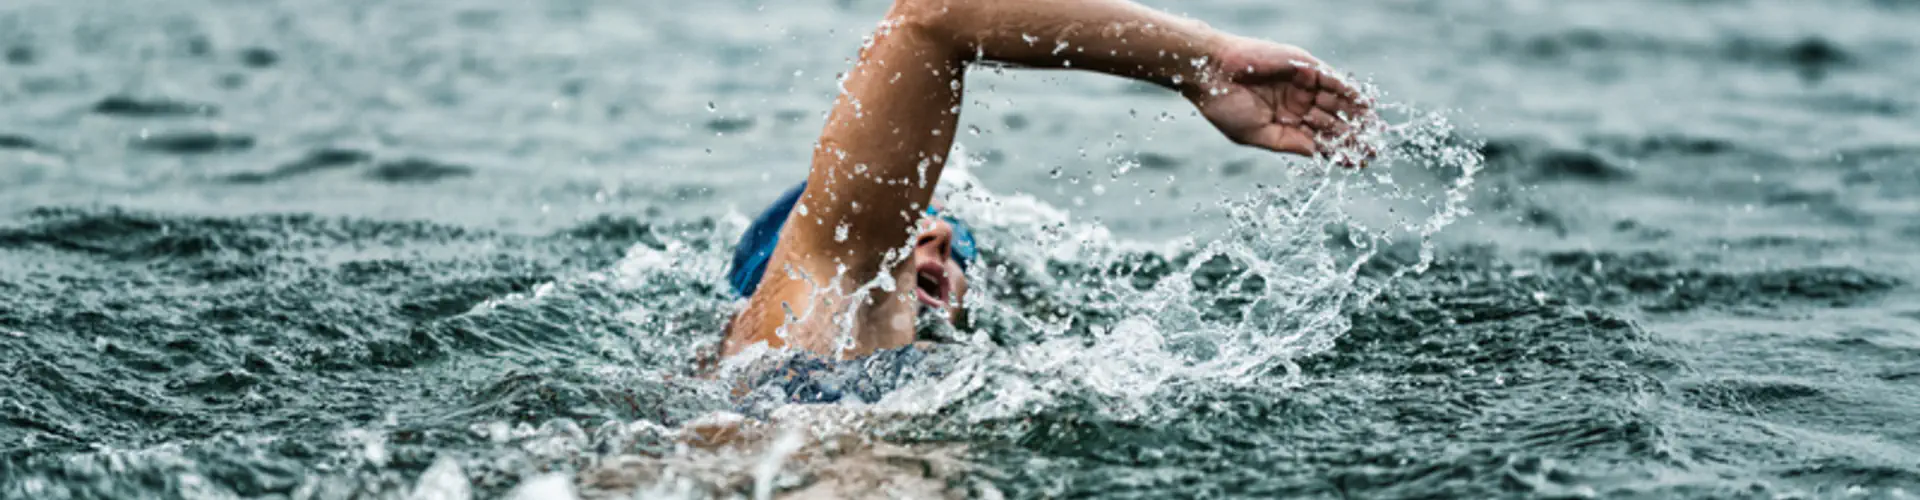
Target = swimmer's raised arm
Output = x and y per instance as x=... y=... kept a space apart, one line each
x=886 y=141
x=1258 y=93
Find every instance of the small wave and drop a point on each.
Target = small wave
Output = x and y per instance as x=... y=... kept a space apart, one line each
x=417 y=171
x=1811 y=54
x=258 y=57
x=21 y=55
x=1652 y=145
x=1752 y=396
x=316 y=161
x=1534 y=161
x=730 y=125
x=1650 y=282
x=130 y=107
x=132 y=235
x=193 y=142
x=12 y=141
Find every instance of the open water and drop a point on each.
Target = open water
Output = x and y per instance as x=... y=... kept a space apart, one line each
x=374 y=249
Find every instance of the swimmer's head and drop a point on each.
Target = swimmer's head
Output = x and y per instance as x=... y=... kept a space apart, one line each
x=943 y=250
x=942 y=253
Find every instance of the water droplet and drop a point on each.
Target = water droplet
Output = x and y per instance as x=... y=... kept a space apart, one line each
x=973 y=129
x=711 y=108
x=840 y=232
x=1057 y=171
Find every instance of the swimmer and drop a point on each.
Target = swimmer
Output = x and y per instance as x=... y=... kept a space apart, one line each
x=867 y=207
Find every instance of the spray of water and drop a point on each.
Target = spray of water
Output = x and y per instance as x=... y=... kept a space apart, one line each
x=1066 y=313
x=1079 y=314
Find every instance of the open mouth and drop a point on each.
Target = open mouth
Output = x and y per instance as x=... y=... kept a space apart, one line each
x=931 y=286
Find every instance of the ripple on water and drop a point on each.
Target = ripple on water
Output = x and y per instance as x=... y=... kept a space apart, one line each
x=21 y=55
x=1650 y=145
x=12 y=141
x=1752 y=396
x=1653 y=283
x=194 y=142
x=316 y=161
x=1534 y=161
x=259 y=57
x=131 y=107
x=417 y=171
x=133 y=236
x=730 y=125
x=1805 y=54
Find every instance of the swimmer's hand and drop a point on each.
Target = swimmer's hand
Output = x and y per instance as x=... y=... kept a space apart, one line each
x=1279 y=97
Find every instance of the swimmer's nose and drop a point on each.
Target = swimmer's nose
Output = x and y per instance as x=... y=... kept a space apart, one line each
x=938 y=236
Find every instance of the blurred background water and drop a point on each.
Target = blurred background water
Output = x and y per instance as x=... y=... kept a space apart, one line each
x=334 y=249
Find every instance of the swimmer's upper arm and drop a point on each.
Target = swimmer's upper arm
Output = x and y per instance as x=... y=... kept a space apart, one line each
x=873 y=171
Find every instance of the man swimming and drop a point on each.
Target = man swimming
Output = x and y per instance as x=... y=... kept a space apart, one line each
x=809 y=265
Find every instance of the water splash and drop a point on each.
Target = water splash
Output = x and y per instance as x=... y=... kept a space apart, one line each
x=1067 y=316
x=1078 y=312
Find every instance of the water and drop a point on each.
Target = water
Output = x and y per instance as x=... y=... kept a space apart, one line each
x=325 y=249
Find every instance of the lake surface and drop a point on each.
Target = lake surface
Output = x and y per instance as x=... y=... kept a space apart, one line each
x=351 y=248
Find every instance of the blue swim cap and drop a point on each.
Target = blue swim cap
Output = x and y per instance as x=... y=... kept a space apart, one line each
x=756 y=245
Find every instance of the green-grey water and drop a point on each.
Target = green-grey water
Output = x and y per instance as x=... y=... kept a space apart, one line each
x=360 y=249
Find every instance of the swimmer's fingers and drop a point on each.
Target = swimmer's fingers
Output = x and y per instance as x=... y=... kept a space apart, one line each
x=1345 y=151
x=1333 y=86
x=1295 y=140
x=1349 y=151
x=1338 y=139
x=1340 y=117
x=1345 y=107
x=1332 y=111
x=1340 y=99
x=1324 y=124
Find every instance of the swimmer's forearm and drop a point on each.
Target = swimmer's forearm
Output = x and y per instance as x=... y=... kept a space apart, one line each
x=1110 y=36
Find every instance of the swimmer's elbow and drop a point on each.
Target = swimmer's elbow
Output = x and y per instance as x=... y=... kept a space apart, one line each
x=921 y=10
x=933 y=18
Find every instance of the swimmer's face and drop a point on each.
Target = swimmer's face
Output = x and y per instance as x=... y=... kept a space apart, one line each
x=939 y=282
